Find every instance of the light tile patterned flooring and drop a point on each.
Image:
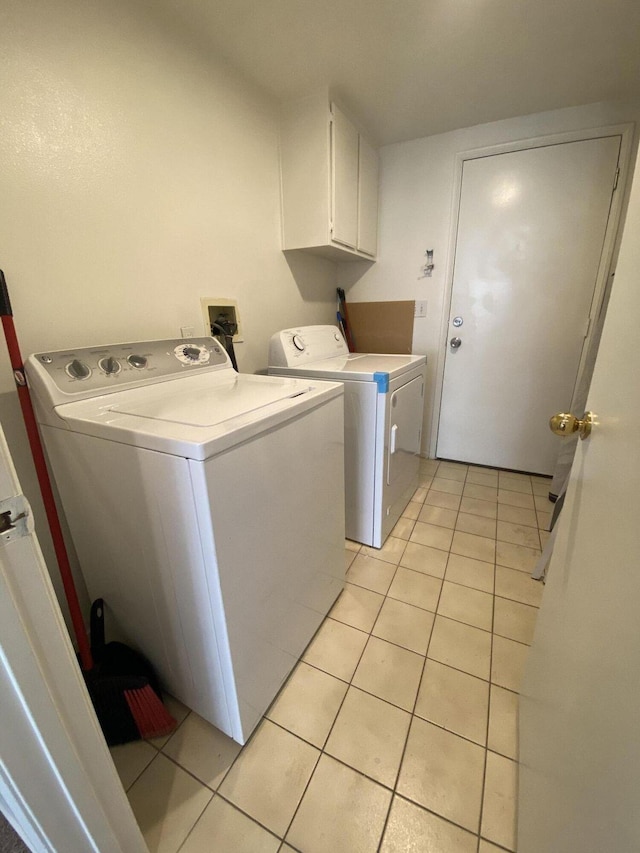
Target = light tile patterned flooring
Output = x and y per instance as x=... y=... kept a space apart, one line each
x=398 y=729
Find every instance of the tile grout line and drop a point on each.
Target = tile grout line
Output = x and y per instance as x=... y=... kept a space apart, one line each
x=436 y=613
x=394 y=791
x=399 y=707
x=216 y=792
x=206 y=806
x=320 y=749
x=497 y=520
x=146 y=767
x=484 y=768
x=326 y=740
x=486 y=747
x=413 y=715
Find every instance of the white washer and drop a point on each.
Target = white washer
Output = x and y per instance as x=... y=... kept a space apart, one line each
x=383 y=411
x=206 y=508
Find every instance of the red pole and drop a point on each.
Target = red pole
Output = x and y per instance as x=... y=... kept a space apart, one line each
x=43 y=477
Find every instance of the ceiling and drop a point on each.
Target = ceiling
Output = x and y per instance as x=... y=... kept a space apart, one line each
x=412 y=68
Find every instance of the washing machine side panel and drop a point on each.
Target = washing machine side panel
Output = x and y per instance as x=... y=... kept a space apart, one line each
x=361 y=424
x=363 y=456
x=275 y=515
x=132 y=517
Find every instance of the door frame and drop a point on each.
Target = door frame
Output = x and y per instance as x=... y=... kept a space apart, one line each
x=59 y=787
x=609 y=249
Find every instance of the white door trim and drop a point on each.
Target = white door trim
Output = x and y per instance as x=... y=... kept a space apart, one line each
x=58 y=785
x=610 y=246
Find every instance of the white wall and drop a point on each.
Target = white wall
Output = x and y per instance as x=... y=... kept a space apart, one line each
x=416 y=211
x=138 y=174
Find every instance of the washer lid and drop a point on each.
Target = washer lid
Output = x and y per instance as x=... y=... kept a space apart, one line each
x=365 y=367
x=196 y=416
x=230 y=398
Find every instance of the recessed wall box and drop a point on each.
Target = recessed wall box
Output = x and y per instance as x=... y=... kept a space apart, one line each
x=214 y=307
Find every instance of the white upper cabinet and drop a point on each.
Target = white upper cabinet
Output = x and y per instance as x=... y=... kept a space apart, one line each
x=344 y=180
x=329 y=182
x=367 y=198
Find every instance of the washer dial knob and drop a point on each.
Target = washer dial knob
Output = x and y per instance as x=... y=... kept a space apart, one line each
x=110 y=365
x=298 y=343
x=192 y=354
x=77 y=369
x=137 y=361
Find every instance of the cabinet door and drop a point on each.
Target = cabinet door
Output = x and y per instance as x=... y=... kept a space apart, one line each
x=368 y=199
x=344 y=179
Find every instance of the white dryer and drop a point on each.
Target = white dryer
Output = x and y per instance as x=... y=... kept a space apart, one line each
x=206 y=508
x=384 y=402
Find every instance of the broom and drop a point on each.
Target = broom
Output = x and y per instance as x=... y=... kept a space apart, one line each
x=123 y=687
x=344 y=318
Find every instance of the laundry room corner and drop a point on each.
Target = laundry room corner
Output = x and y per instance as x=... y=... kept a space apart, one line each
x=141 y=175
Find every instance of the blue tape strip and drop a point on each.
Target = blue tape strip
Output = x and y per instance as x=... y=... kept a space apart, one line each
x=382 y=381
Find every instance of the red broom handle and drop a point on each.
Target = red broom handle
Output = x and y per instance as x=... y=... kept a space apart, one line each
x=43 y=477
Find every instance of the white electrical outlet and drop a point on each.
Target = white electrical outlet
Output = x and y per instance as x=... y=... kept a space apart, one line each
x=420 y=309
x=186 y=331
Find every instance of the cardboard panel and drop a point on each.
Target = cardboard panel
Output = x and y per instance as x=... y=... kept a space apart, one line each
x=382 y=326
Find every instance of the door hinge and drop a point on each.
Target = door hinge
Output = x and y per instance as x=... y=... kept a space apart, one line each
x=615 y=179
x=587 y=327
x=16 y=519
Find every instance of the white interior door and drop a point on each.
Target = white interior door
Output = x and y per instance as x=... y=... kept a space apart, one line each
x=579 y=745
x=531 y=229
x=58 y=785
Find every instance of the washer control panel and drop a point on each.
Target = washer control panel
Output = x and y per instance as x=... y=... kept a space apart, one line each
x=102 y=369
x=292 y=347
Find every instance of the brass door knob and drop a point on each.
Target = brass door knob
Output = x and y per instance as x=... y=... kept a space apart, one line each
x=566 y=424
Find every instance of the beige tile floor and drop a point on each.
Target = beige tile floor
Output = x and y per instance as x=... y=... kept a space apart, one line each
x=397 y=730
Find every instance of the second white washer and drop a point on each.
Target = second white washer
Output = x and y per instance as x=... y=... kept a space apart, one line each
x=383 y=412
